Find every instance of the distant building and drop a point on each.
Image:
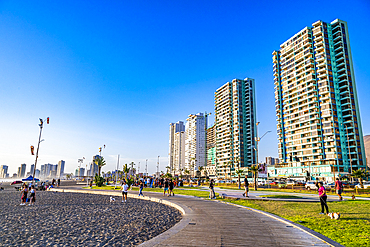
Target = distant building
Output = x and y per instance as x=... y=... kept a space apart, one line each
x=235 y=110
x=195 y=142
x=60 y=168
x=94 y=169
x=4 y=171
x=367 y=149
x=19 y=172
x=211 y=152
x=32 y=168
x=23 y=170
x=270 y=161
x=176 y=154
x=81 y=172
x=37 y=173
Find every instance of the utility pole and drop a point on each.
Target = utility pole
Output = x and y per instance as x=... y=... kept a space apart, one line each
x=158 y=166
x=138 y=169
x=115 y=184
x=146 y=167
x=38 y=146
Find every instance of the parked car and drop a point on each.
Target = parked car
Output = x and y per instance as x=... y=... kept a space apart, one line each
x=282 y=184
x=274 y=182
x=262 y=182
x=291 y=182
x=366 y=185
x=300 y=183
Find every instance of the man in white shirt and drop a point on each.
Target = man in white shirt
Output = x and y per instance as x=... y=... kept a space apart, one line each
x=124 y=189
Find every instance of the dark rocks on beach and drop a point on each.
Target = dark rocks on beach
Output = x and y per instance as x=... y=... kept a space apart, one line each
x=74 y=219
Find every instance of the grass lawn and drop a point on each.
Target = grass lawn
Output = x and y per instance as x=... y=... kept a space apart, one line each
x=352 y=229
x=281 y=196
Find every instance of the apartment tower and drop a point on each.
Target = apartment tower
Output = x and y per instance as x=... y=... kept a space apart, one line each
x=176 y=154
x=318 y=118
x=235 y=121
x=195 y=142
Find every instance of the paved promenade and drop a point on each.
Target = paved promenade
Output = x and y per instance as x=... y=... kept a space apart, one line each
x=213 y=223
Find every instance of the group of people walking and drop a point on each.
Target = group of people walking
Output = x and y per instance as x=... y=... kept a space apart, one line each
x=168 y=186
x=24 y=195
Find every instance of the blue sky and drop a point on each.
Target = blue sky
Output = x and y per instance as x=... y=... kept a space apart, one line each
x=118 y=72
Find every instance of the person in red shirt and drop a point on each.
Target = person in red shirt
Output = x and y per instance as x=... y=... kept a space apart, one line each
x=339 y=188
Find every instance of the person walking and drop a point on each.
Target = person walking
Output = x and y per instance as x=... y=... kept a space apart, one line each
x=212 y=194
x=246 y=186
x=32 y=196
x=171 y=186
x=323 y=197
x=339 y=188
x=141 y=188
x=124 y=189
x=165 y=188
x=24 y=193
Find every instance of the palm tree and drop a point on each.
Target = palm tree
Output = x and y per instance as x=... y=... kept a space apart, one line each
x=100 y=162
x=186 y=171
x=229 y=164
x=201 y=168
x=360 y=174
x=126 y=170
x=167 y=167
x=239 y=173
x=255 y=169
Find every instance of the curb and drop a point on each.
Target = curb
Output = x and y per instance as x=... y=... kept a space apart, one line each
x=291 y=223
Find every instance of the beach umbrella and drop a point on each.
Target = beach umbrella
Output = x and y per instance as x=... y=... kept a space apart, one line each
x=16 y=182
x=30 y=178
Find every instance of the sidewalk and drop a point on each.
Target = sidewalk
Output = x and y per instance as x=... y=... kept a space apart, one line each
x=213 y=223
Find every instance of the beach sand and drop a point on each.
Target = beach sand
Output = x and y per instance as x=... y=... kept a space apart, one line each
x=73 y=219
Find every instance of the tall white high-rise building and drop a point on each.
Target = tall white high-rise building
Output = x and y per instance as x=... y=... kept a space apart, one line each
x=195 y=142
x=60 y=169
x=176 y=154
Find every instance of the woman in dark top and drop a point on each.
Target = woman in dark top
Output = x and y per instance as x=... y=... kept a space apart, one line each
x=24 y=193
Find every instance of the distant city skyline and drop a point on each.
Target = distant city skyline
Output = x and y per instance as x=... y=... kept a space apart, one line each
x=118 y=73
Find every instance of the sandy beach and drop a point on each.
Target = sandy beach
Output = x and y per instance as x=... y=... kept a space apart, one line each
x=73 y=219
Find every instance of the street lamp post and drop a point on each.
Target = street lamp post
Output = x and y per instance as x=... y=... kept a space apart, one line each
x=146 y=168
x=157 y=166
x=38 y=146
x=115 y=184
x=258 y=139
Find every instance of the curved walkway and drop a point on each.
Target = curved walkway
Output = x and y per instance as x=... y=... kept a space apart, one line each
x=213 y=223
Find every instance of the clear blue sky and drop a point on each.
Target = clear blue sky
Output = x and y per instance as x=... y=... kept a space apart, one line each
x=118 y=72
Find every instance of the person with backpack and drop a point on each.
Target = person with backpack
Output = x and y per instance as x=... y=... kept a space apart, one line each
x=339 y=188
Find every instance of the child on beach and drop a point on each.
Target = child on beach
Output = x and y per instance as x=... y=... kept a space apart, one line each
x=24 y=193
x=124 y=189
x=32 y=196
